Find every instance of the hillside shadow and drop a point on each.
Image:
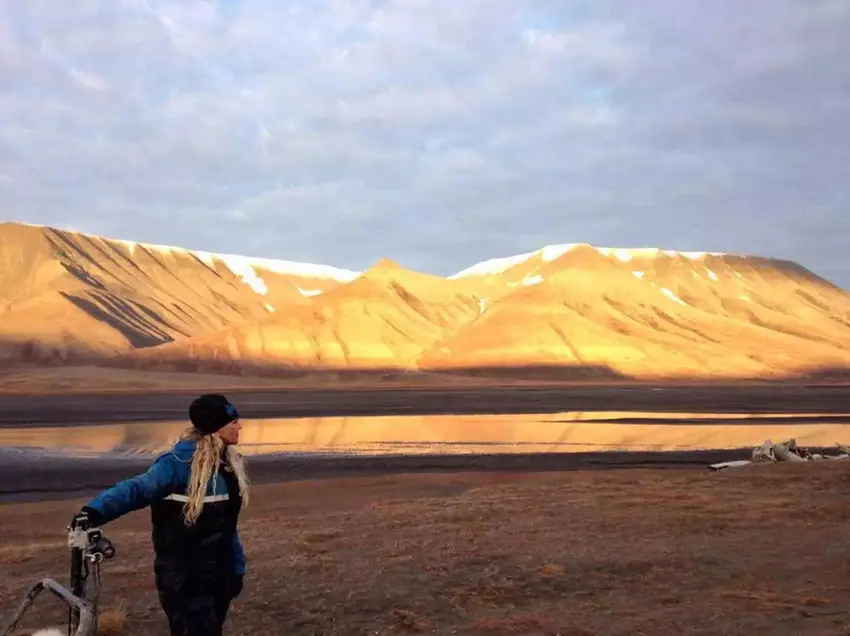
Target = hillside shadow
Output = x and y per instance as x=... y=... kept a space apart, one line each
x=98 y=392
x=138 y=324
x=139 y=329
x=62 y=242
x=26 y=353
x=534 y=373
x=541 y=373
x=823 y=375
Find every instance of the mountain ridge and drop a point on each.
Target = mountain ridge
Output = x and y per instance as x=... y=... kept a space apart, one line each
x=67 y=297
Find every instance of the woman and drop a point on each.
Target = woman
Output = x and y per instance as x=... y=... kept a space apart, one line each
x=195 y=492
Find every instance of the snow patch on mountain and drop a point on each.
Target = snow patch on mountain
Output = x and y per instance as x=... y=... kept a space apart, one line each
x=627 y=254
x=493 y=266
x=620 y=254
x=248 y=269
x=130 y=245
x=551 y=252
x=246 y=272
x=233 y=262
x=672 y=296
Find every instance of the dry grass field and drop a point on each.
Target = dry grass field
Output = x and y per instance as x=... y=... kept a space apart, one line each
x=751 y=551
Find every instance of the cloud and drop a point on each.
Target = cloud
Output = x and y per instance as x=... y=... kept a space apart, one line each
x=438 y=135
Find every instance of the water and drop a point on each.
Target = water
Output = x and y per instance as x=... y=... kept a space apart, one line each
x=558 y=432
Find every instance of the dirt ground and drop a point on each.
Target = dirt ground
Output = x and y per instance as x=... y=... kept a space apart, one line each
x=761 y=550
x=92 y=379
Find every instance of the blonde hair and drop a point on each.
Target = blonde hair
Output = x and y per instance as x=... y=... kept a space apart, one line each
x=205 y=460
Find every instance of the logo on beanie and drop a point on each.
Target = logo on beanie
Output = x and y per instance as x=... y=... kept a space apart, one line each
x=231 y=410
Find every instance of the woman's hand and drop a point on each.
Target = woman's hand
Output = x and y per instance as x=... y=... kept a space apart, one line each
x=81 y=520
x=85 y=519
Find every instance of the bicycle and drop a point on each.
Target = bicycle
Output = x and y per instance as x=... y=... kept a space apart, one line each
x=89 y=547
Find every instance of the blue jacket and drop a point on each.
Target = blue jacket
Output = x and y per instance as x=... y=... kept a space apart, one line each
x=163 y=488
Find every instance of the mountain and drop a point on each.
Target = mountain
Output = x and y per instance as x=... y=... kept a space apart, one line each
x=570 y=308
x=649 y=311
x=386 y=318
x=67 y=295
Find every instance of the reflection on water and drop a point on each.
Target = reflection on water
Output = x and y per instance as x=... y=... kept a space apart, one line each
x=559 y=432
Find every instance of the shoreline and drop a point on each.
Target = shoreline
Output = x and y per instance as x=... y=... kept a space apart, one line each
x=92 y=408
x=50 y=478
x=28 y=477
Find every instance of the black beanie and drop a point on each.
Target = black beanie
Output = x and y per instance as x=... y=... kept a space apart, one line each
x=212 y=412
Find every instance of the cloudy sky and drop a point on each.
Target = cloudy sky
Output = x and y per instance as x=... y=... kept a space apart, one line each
x=435 y=132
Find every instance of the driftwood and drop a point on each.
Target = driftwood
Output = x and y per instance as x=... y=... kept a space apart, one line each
x=786 y=451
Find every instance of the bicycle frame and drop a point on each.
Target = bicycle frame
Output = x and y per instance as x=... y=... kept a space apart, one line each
x=88 y=549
